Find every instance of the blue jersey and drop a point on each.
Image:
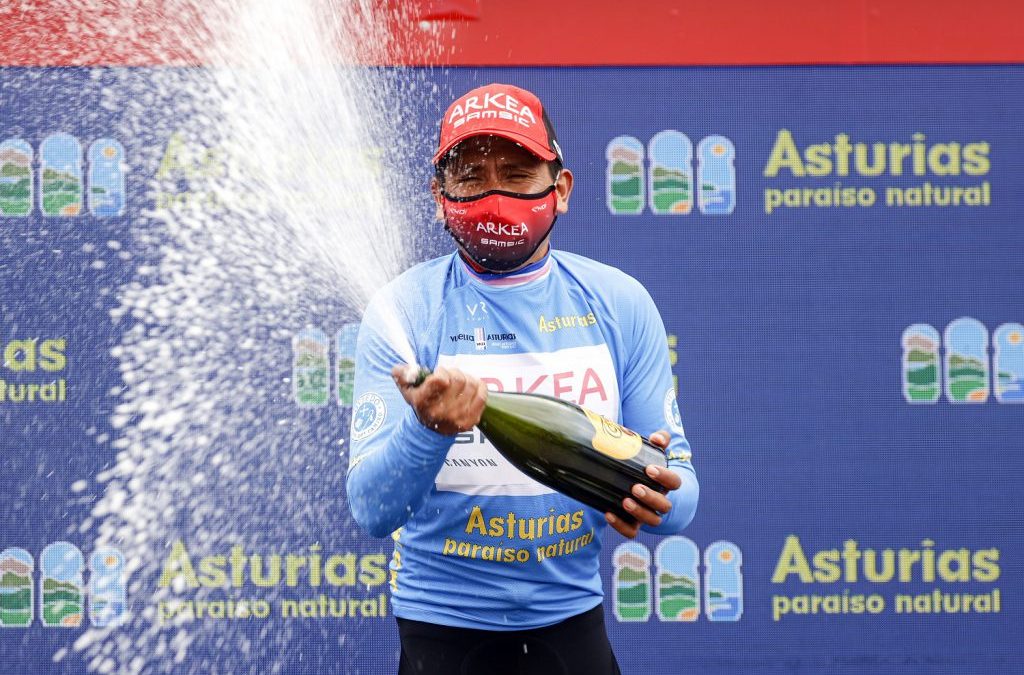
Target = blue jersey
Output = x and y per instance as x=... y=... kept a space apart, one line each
x=478 y=544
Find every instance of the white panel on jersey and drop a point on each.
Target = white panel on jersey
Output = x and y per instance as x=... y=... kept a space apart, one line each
x=583 y=375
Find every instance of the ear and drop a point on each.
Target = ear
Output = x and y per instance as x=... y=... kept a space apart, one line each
x=435 y=189
x=563 y=188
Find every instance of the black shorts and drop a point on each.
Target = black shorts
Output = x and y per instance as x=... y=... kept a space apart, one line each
x=577 y=646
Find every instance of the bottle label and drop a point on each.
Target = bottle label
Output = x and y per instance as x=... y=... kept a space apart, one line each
x=614 y=440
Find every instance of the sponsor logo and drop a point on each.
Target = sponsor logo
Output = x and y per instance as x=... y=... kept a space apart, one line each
x=673 y=357
x=480 y=307
x=898 y=160
x=672 y=416
x=556 y=323
x=668 y=186
x=612 y=439
x=288 y=572
x=829 y=574
x=497 y=106
x=345 y=366
x=60 y=177
x=311 y=368
x=584 y=386
x=62 y=591
x=27 y=357
x=510 y=537
x=965 y=368
x=503 y=229
x=482 y=339
x=677 y=582
x=467 y=437
x=368 y=416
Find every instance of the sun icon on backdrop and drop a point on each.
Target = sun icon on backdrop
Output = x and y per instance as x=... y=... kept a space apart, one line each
x=725 y=556
x=109 y=152
x=1014 y=338
x=718 y=149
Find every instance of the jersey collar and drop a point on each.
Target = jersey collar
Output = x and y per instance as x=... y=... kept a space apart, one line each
x=531 y=272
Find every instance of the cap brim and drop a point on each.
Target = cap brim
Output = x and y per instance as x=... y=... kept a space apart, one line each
x=530 y=144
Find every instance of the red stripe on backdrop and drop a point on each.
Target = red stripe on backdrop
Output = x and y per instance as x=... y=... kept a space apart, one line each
x=561 y=32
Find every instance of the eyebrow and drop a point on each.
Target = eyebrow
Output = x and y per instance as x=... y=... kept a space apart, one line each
x=457 y=167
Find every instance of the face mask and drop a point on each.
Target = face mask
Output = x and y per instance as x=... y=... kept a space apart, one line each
x=500 y=230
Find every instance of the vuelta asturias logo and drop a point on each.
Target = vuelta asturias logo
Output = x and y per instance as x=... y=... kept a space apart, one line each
x=311 y=366
x=677 y=591
x=667 y=186
x=481 y=339
x=57 y=181
x=965 y=368
x=62 y=591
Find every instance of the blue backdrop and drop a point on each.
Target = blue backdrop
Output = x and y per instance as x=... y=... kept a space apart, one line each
x=839 y=269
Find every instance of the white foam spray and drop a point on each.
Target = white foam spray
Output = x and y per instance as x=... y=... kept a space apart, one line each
x=291 y=208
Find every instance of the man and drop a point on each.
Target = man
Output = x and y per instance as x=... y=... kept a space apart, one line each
x=494 y=572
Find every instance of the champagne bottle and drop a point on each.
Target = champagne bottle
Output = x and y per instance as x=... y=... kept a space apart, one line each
x=567 y=447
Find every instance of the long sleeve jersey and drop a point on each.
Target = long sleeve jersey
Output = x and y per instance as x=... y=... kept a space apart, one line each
x=478 y=544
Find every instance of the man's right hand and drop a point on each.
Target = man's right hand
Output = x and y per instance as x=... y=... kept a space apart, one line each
x=449 y=401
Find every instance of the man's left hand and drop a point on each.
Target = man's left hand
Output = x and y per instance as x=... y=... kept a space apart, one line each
x=645 y=504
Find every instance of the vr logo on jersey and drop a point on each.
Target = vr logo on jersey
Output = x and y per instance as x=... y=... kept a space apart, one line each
x=480 y=307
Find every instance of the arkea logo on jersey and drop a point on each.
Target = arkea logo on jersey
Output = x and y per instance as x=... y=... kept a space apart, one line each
x=497 y=105
x=545 y=325
x=370 y=413
x=677 y=582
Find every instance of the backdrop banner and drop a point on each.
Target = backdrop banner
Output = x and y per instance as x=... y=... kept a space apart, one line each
x=838 y=258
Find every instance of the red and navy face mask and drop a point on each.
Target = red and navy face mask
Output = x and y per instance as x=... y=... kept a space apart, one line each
x=500 y=230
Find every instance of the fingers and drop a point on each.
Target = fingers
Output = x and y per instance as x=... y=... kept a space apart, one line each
x=642 y=513
x=666 y=477
x=652 y=499
x=449 y=401
x=436 y=385
x=457 y=381
x=628 y=530
x=647 y=505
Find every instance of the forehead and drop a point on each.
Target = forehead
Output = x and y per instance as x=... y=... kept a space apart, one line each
x=481 y=149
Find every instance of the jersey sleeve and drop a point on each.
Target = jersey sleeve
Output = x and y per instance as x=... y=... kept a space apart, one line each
x=649 y=404
x=393 y=458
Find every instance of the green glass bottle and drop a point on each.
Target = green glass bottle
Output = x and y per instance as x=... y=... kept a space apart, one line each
x=568 y=448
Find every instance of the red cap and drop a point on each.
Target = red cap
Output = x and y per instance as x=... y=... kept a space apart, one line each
x=499 y=110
